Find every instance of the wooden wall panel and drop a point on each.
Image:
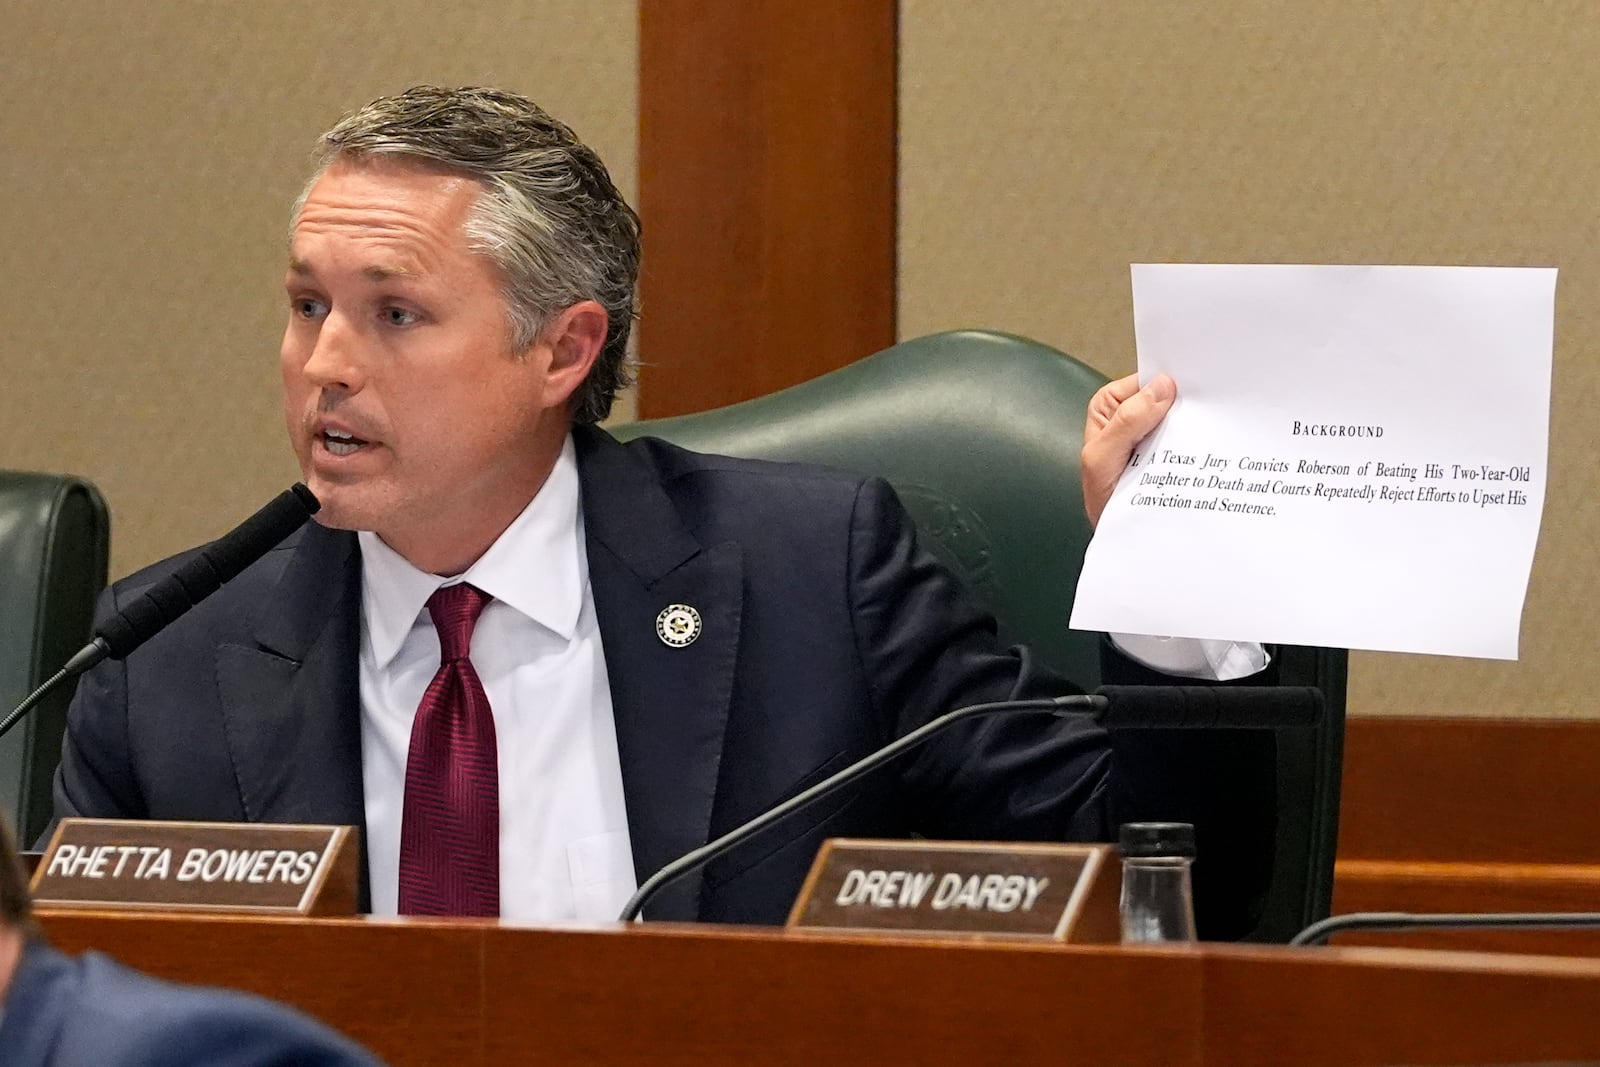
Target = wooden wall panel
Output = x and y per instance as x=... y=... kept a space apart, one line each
x=767 y=187
x=1471 y=791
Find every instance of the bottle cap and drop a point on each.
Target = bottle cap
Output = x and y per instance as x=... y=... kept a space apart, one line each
x=1140 y=839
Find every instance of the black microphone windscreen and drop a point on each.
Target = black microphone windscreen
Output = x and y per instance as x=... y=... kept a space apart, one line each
x=204 y=573
x=1210 y=706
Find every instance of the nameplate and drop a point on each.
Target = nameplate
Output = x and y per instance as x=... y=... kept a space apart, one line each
x=236 y=867
x=1054 y=892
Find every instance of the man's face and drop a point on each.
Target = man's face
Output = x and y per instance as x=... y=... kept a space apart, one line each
x=409 y=412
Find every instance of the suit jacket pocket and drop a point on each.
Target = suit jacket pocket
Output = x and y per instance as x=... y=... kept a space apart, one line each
x=797 y=825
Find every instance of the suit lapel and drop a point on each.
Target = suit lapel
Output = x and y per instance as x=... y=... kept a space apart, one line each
x=670 y=704
x=291 y=696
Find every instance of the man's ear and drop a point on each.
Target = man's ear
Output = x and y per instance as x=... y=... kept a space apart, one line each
x=575 y=337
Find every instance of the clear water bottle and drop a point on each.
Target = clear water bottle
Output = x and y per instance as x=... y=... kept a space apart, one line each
x=1157 y=897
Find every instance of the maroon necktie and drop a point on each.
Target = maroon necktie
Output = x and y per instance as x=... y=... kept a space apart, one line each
x=450 y=821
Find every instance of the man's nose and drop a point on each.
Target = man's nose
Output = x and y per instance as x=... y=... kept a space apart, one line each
x=336 y=360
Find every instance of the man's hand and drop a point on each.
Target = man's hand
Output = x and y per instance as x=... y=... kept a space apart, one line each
x=1120 y=416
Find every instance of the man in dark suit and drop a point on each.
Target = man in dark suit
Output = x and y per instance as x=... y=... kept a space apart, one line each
x=662 y=644
x=88 y=1011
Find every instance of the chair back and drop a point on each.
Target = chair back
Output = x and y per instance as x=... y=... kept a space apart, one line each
x=54 y=539
x=980 y=434
x=1263 y=798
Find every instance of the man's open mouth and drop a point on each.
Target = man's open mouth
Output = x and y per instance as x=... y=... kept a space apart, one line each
x=340 y=443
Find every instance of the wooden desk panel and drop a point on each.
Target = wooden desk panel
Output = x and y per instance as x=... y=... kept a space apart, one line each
x=1471 y=815
x=1339 y=1007
x=1471 y=791
x=693 y=996
x=1381 y=885
x=468 y=992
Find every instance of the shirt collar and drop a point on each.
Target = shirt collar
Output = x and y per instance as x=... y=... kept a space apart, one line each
x=537 y=567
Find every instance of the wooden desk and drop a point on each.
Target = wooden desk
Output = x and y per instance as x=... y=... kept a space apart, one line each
x=1388 y=885
x=1471 y=815
x=469 y=992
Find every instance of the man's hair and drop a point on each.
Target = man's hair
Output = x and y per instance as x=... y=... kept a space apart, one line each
x=16 y=909
x=549 y=216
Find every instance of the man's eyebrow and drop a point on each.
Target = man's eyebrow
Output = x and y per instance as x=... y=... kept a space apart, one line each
x=384 y=273
x=373 y=273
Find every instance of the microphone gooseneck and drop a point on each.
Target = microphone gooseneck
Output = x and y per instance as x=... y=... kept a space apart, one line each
x=159 y=606
x=712 y=849
x=1211 y=707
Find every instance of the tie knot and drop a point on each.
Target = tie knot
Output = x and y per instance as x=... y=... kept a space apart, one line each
x=455 y=610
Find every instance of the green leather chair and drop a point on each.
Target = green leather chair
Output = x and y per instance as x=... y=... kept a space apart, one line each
x=54 y=537
x=979 y=433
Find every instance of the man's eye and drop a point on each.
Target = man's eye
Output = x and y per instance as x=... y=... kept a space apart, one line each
x=307 y=308
x=394 y=316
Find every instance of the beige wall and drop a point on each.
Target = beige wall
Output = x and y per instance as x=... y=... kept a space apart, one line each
x=1047 y=145
x=148 y=155
x=148 y=152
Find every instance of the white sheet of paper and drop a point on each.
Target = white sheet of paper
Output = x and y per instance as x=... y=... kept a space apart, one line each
x=1356 y=458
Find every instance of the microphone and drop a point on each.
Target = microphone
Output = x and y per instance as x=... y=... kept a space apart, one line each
x=1214 y=707
x=1320 y=931
x=1112 y=706
x=1064 y=705
x=157 y=607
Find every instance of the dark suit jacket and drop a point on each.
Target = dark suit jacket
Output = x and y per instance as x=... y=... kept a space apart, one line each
x=827 y=632
x=88 y=1011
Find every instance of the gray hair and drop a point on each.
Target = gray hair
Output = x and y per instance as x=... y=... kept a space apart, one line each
x=549 y=217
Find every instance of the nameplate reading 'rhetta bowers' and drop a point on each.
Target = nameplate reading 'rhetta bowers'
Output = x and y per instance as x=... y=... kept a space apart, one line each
x=1055 y=892
x=250 y=867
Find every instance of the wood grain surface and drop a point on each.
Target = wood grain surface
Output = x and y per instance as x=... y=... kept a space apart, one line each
x=767 y=188
x=1471 y=791
x=471 y=992
x=1431 y=887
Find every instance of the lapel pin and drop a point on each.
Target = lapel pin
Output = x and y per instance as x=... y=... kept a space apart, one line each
x=678 y=625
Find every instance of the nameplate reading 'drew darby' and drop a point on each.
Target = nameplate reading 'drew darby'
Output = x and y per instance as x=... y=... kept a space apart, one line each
x=1056 y=892
x=253 y=867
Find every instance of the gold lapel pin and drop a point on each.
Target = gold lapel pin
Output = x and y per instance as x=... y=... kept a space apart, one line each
x=678 y=625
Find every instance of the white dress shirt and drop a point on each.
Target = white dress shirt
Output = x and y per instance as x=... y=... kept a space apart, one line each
x=564 y=849
x=1194 y=657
